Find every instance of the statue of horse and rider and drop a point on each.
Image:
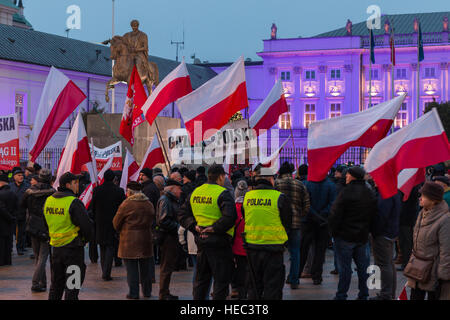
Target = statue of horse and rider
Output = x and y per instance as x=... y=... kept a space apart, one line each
x=129 y=50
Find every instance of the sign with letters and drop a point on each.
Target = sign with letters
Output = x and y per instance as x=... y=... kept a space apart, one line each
x=9 y=142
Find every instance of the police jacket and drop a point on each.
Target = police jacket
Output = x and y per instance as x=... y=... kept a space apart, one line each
x=220 y=237
x=284 y=206
x=79 y=217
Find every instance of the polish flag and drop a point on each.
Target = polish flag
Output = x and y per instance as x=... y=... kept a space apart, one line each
x=215 y=102
x=153 y=157
x=76 y=152
x=174 y=86
x=408 y=179
x=130 y=167
x=132 y=113
x=329 y=139
x=58 y=100
x=86 y=196
x=403 y=295
x=270 y=109
x=418 y=145
x=272 y=160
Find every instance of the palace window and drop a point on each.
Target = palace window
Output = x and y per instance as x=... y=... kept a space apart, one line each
x=310 y=114
x=401 y=120
x=430 y=73
x=284 y=122
x=310 y=75
x=286 y=76
x=401 y=74
x=335 y=74
x=335 y=110
x=374 y=74
x=19 y=106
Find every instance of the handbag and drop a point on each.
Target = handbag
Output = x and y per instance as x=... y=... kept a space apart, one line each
x=419 y=267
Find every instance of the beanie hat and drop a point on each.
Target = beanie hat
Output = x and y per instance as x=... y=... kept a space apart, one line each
x=442 y=179
x=148 y=172
x=286 y=168
x=45 y=176
x=190 y=175
x=133 y=185
x=357 y=172
x=432 y=191
x=109 y=175
x=302 y=170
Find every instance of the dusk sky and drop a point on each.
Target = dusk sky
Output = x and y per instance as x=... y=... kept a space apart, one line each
x=215 y=30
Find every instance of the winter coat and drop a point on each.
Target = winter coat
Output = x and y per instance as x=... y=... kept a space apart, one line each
x=20 y=213
x=238 y=243
x=8 y=206
x=321 y=197
x=353 y=212
x=167 y=213
x=133 y=221
x=387 y=219
x=151 y=191
x=431 y=238
x=33 y=201
x=200 y=180
x=106 y=199
x=187 y=189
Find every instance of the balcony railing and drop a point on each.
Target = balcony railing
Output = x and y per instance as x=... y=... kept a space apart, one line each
x=407 y=39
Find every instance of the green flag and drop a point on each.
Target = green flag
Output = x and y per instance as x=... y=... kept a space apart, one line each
x=420 y=44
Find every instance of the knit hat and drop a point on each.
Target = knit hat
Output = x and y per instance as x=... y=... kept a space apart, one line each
x=341 y=168
x=172 y=182
x=68 y=177
x=357 y=172
x=286 y=168
x=133 y=185
x=302 y=170
x=148 y=172
x=109 y=175
x=432 y=191
x=190 y=175
x=241 y=189
x=45 y=176
x=17 y=171
x=442 y=179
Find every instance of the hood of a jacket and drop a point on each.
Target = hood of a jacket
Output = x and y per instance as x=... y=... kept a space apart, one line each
x=138 y=197
x=435 y=213
x=263 y=184
x=41 y=189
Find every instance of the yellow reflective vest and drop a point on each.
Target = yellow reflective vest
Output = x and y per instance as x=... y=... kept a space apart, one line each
x=204 y=205
x=61 y=229
x=262 y=218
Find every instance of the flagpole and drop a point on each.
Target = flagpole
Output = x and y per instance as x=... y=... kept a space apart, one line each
x=418 y=86
x=293 y=145
x=392 y=69
x=113 y=90
x=370 y=68
x=163 y=147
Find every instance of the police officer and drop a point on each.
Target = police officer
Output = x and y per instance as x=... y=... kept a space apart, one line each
x=267 y=215
x=210 y=213
x=69 y=228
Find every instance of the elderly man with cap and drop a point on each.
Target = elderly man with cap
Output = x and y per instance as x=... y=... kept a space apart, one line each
x=444 y=182
x=351 y=217
x=134 y=220
x=69 y=228
x=167 y=222
x=8 y=206
x=210 y=213
x=106 y=199
x=33 y=201
x=268 y=218
x=19 y=186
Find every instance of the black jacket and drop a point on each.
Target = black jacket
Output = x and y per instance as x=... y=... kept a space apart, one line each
x=151 y=191
x=106 y=199
x=167 y=214
x=200 y=180
x=387 y=219
x=410 y=208
x=20 y=213
x=79 y=217
x=187 y=189
x=220 y=237
x=8 y=206
x=285 y=208
x=353 y=212
x=33 y=201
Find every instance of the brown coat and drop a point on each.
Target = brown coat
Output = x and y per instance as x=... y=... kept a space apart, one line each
x=432 y=239
x=134 y=221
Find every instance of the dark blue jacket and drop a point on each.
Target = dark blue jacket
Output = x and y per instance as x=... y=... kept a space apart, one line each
x=321 y=196
x=19 y=191
x=387 y=219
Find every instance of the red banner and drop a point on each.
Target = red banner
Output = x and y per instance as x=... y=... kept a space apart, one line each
x=9 y=142
x=102 y=156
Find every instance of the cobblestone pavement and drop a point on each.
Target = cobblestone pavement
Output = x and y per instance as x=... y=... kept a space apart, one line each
x=15 y=283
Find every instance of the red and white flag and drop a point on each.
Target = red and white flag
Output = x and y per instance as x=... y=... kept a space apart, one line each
x=174 y=86
x=58 y=100
x=403 y=295
x=418 y=145
x=132 y=112
x=9 y=142
x=408 y=179
x=215 y=102
x=130 y=167
x=329 y=139
x=76 y=152
x=153 y=156
x=272 y=161
x=86 y=196
x=270 y=109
